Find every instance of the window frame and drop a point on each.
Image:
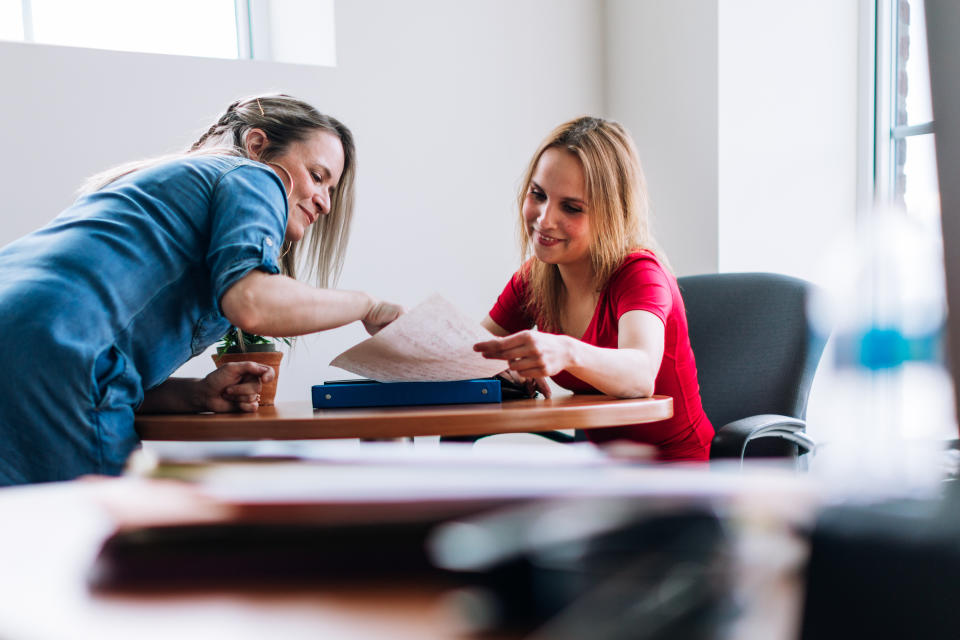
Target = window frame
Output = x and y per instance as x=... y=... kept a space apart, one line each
x=253 y=29
x=887 y=133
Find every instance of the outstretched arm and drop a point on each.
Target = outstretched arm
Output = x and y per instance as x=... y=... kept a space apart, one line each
x=629 y=371
x=275 y=305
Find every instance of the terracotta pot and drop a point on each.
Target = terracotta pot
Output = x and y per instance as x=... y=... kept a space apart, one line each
x=272 y=358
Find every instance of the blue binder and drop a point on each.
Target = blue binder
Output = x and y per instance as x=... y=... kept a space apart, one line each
x=370 y=393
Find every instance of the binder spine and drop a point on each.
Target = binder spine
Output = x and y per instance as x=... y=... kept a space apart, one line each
x=364 y=393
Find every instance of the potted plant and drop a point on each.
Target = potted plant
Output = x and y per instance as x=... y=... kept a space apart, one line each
x=240 y=346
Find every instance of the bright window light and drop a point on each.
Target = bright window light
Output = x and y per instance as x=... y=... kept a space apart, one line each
x=914 y=158
x=917 y=101
x=921 y=190
x=181 y=27
x=294 y=31
x=11 y=19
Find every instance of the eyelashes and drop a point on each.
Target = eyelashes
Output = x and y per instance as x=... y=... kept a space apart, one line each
x=567 y=207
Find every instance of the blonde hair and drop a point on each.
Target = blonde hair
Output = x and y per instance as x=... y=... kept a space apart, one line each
x=285 y=120
x=617 y=203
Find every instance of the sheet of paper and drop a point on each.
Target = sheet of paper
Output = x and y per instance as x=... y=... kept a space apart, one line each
x=432 y=342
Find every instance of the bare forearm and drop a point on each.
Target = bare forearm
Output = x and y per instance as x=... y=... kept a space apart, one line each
x=624 y=373
x=174 y=395
x=275 y=305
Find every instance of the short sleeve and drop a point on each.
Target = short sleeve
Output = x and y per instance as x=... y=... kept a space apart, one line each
x=248 y=215
x=641 y=284
x=508 y=311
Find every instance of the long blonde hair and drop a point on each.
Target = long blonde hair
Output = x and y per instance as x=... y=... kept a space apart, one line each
x=618 y=207
x=285 y=120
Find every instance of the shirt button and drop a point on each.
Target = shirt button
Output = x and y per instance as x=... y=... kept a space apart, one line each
x=269 y=242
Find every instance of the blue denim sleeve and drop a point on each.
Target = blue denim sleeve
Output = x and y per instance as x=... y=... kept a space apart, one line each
x=248 y=215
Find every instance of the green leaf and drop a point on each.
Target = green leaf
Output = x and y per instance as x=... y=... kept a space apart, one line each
x=232 y=339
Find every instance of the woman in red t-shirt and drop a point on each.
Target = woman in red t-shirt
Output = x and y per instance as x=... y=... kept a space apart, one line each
x=608 y=310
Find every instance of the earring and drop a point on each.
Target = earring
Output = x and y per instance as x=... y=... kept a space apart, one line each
x=289 y=177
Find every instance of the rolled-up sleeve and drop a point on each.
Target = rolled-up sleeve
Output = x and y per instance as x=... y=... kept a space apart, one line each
x=248 y=214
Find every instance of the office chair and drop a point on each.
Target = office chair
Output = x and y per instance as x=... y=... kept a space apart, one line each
x=756 y=357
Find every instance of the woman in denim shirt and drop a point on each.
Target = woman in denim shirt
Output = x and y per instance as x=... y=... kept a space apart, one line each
x=153 y=264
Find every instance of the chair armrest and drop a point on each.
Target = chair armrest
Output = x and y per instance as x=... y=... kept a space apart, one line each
x=731 y=439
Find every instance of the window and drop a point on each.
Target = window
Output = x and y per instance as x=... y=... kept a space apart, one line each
x=11 y=20
x=907 y=289
x=299 y=31
x=183 y=27
x=905 y=168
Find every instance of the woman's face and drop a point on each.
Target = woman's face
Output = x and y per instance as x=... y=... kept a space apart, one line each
x=555 y=209
x=315 y=166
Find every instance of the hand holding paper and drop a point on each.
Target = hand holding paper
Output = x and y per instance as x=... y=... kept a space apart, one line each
x=382 y=314
x=432 y=342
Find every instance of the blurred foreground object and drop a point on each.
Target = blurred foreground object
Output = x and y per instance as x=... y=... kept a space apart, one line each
x=890 y=400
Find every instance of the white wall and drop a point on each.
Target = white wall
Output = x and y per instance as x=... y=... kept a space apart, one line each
x=745 y=116
x=300 y=31
x=788 y=129
x=447 y=101
x=661 y=70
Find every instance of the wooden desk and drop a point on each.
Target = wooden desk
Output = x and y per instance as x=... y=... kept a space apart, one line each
x=299 y=421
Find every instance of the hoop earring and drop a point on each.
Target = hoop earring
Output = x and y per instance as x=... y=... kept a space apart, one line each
x=289 y=177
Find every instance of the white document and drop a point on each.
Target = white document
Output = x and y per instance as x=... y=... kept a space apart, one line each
x=432 y=342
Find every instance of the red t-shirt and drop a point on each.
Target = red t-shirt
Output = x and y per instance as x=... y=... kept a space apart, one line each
x=641 y=283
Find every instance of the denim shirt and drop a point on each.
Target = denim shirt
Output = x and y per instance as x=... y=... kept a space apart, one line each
x=114 y=295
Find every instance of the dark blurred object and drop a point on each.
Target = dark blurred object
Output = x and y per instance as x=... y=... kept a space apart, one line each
x=594 y=568
x=756 y=356
x=261 y=527
x=512 y=390
x=885 y=571
x=202 y=555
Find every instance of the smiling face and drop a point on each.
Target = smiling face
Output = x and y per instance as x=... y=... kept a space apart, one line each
x=555 y=209
x=311 y=171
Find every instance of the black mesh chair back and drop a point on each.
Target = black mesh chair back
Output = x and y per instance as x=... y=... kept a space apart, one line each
x=756 y=357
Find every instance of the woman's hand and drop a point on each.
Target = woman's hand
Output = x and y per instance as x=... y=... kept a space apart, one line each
x=530 y=354
x=235 y=386
x=380 y=315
